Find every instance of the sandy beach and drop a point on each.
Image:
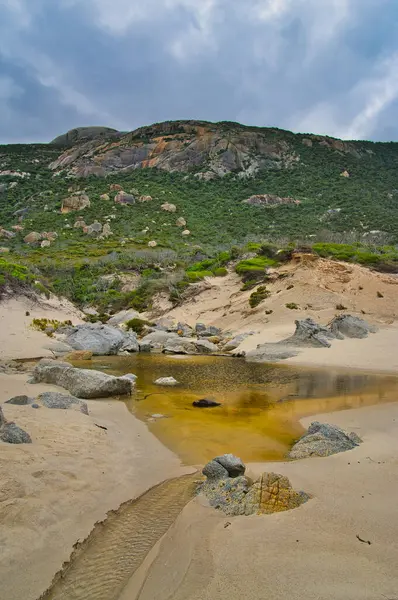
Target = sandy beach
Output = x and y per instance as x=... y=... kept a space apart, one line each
x=53 y=491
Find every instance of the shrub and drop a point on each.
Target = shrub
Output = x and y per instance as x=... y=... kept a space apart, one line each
x=249 y=284
x=137 y=325
x=220 y=272
x=292 y=305
x=101 y=317
x=254 y=268
x=258 y=296
x=43 y=324
x=195 y=276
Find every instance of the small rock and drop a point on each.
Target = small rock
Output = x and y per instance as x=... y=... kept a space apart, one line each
x=168 y=207
x=232 y=464
x=168 y=381
x=12 y=434
x=20 y=400
x=62 y=401
x=35 y=405
x=213 y=470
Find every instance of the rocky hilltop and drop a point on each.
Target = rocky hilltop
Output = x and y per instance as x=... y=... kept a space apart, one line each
x=82 y=135
x=208 y=150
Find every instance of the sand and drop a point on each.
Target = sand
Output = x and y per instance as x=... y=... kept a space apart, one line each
x=18 y=338
x=54 y=490
x=311 y=552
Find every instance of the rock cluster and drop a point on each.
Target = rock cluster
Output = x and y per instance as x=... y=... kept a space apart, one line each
x=227 y=489
x=324 y=440
x=311 y=334
x=180 y=338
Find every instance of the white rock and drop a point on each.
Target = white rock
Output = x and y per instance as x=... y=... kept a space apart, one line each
x=170 y=381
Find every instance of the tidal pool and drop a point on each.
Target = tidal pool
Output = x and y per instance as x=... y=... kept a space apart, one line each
x=261 y=403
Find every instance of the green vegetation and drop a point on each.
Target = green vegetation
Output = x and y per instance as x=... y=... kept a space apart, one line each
x=384 y=258
x=49 y=325
x=292 y=306
x=137 y=325
x=258 y=296
x=254 y=269
x=351 y=219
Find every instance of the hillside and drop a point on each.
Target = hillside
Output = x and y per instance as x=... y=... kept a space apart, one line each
x=191 y=189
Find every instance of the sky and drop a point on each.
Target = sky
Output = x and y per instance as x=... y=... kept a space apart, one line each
x=311 y=66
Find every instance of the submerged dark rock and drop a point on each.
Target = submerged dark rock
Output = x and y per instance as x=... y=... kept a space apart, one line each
x=205 y=403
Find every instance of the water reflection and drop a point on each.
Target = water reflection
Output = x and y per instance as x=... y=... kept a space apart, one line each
x=261 y=404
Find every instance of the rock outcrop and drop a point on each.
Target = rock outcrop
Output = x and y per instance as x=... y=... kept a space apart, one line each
x=351 y=327
x=83 y=134
x=310 y=334
x=227 y=489
x=217 y=148
x=323 y=440
x=101 y=339
x=81 y=383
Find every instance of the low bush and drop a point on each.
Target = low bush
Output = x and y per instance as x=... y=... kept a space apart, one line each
x=43 y=324
x=258 y=296
x=137 y=325
x=292 y=305
x=254 y=268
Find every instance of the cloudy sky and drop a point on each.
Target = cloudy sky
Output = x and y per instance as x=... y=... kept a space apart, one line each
x=322 y=66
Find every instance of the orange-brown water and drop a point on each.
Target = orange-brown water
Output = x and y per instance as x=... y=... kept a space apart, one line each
x=261 y=404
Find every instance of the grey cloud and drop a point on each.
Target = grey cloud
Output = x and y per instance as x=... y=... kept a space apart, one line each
x=326 y=67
